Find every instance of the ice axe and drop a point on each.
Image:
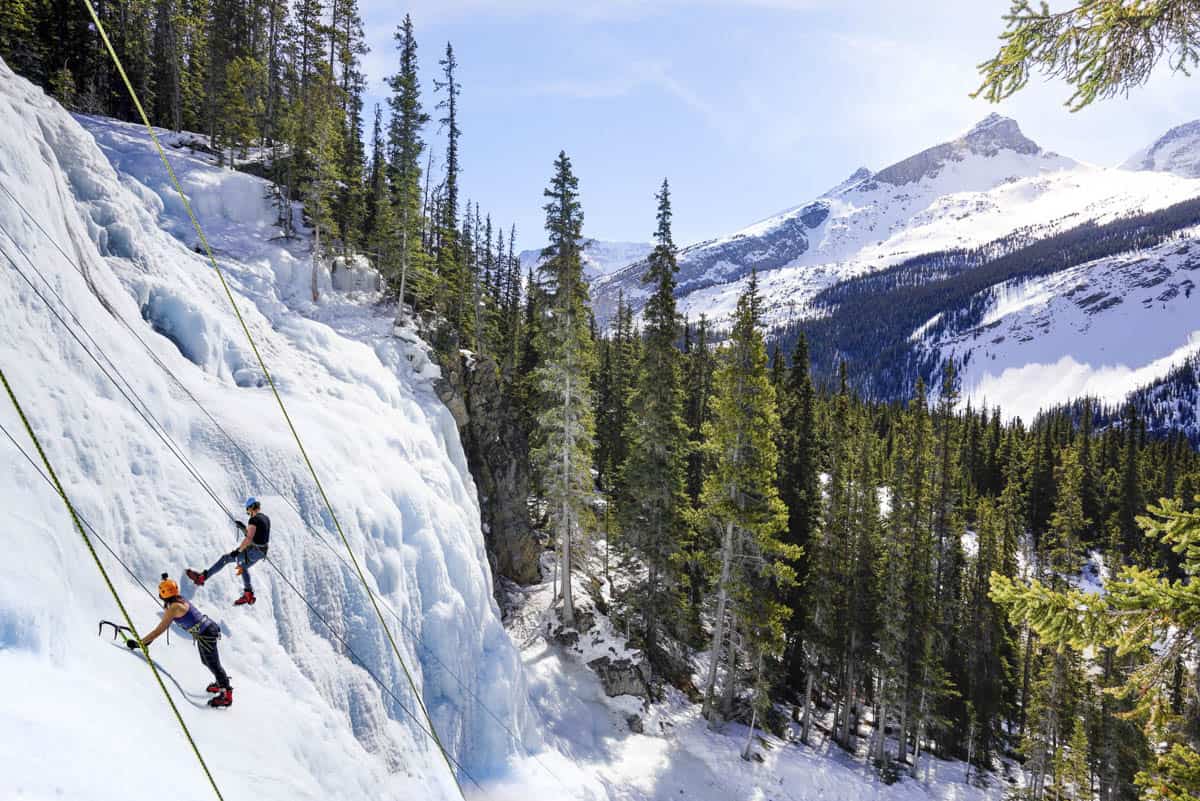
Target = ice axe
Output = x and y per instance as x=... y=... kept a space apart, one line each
x=125 y=632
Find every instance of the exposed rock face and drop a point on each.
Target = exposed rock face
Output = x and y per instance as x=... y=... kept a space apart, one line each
x=498 y=455
x=991 y=135
x=1177 y=151
x=621 y=677
x=720 y=261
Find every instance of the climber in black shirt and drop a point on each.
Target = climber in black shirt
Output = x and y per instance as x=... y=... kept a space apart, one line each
x=252 y=548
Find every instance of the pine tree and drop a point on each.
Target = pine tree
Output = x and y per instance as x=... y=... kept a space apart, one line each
x=380 y=229
x=740 y=501
x=405 y=148
x=1140 y=608
x=347 y=46
x=19 y=46
x=1075 y=775
x=564 y=435
x=1067 y=523
x=799 y=487
x=1055 y=695
x=990 y=647
x=912 y=508
x=239 y=105
x=623 y=370
x=167 y=109
x=654 y=514
x=701 y=365
x=1132 y=502
x=452 y=273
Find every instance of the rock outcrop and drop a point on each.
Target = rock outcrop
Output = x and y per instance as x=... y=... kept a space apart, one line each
x=621 y=677
x=498 y=456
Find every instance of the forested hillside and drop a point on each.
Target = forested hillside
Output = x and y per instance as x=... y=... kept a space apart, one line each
x=877 y=322
x=277 y=89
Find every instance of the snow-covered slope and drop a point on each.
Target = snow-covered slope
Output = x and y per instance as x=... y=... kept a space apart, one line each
x=1101 y=329
x=600 y=258
x=1177 y=151
x=980 y=186
x=82 y=719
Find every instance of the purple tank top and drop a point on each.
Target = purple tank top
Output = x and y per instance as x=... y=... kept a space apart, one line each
x=193 y=620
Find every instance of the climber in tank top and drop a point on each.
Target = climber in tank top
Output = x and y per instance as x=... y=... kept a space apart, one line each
x=204 y=631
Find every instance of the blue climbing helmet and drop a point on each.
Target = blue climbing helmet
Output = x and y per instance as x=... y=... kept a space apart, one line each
x=250 y=503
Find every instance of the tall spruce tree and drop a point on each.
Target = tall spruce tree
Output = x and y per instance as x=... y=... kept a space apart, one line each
x=565 y=432
x=799 y=488
x=740 y=502
x=405 y=148
x=654 y=513
x=698 y=380
x=452 y=272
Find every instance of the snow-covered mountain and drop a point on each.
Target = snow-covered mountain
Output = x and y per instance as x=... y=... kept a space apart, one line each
x=1177 y=151
x=989 y=189
x=600 y=258
x=866 y=222
x=1102 y=330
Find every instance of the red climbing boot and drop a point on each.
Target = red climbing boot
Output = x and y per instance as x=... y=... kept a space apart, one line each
x=247 y=598
x=197 y=578
x=225 y=698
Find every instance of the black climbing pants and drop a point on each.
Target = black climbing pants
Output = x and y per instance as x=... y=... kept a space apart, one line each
x=206 y=642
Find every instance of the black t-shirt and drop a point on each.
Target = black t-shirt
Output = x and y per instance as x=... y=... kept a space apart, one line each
x=262 y=528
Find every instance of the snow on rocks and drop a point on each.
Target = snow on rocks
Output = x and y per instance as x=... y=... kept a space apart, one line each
x=628 y=749
x=1101 y=329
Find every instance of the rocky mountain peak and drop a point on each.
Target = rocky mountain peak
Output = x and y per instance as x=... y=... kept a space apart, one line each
x=994 y=133
x=1177 y=151
x=988 y=137
x=856 y=177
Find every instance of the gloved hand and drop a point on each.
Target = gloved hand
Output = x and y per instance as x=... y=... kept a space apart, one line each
x=241 y=526
x=235 y=553
x=132 y=644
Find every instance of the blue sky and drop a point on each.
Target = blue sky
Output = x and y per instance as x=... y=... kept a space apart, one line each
x=748 y=106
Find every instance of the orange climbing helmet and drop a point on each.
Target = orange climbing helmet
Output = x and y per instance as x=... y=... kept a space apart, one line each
x=167 y=588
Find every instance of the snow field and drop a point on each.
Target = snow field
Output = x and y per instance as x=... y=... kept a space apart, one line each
x=1101 y=329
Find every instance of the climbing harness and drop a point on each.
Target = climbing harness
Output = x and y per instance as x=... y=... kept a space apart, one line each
x=62 y=493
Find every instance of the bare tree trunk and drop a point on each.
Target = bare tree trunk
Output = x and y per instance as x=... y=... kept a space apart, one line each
x=920 y=733
x=746 y=753
x=844 y=727
x=565 y=526
x=730 y=688
x=403 y=258
x=879 y=746
x=316 y=260
x=1025 y=671
x=806 y=726
x=719 y=624
x=554 y=595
